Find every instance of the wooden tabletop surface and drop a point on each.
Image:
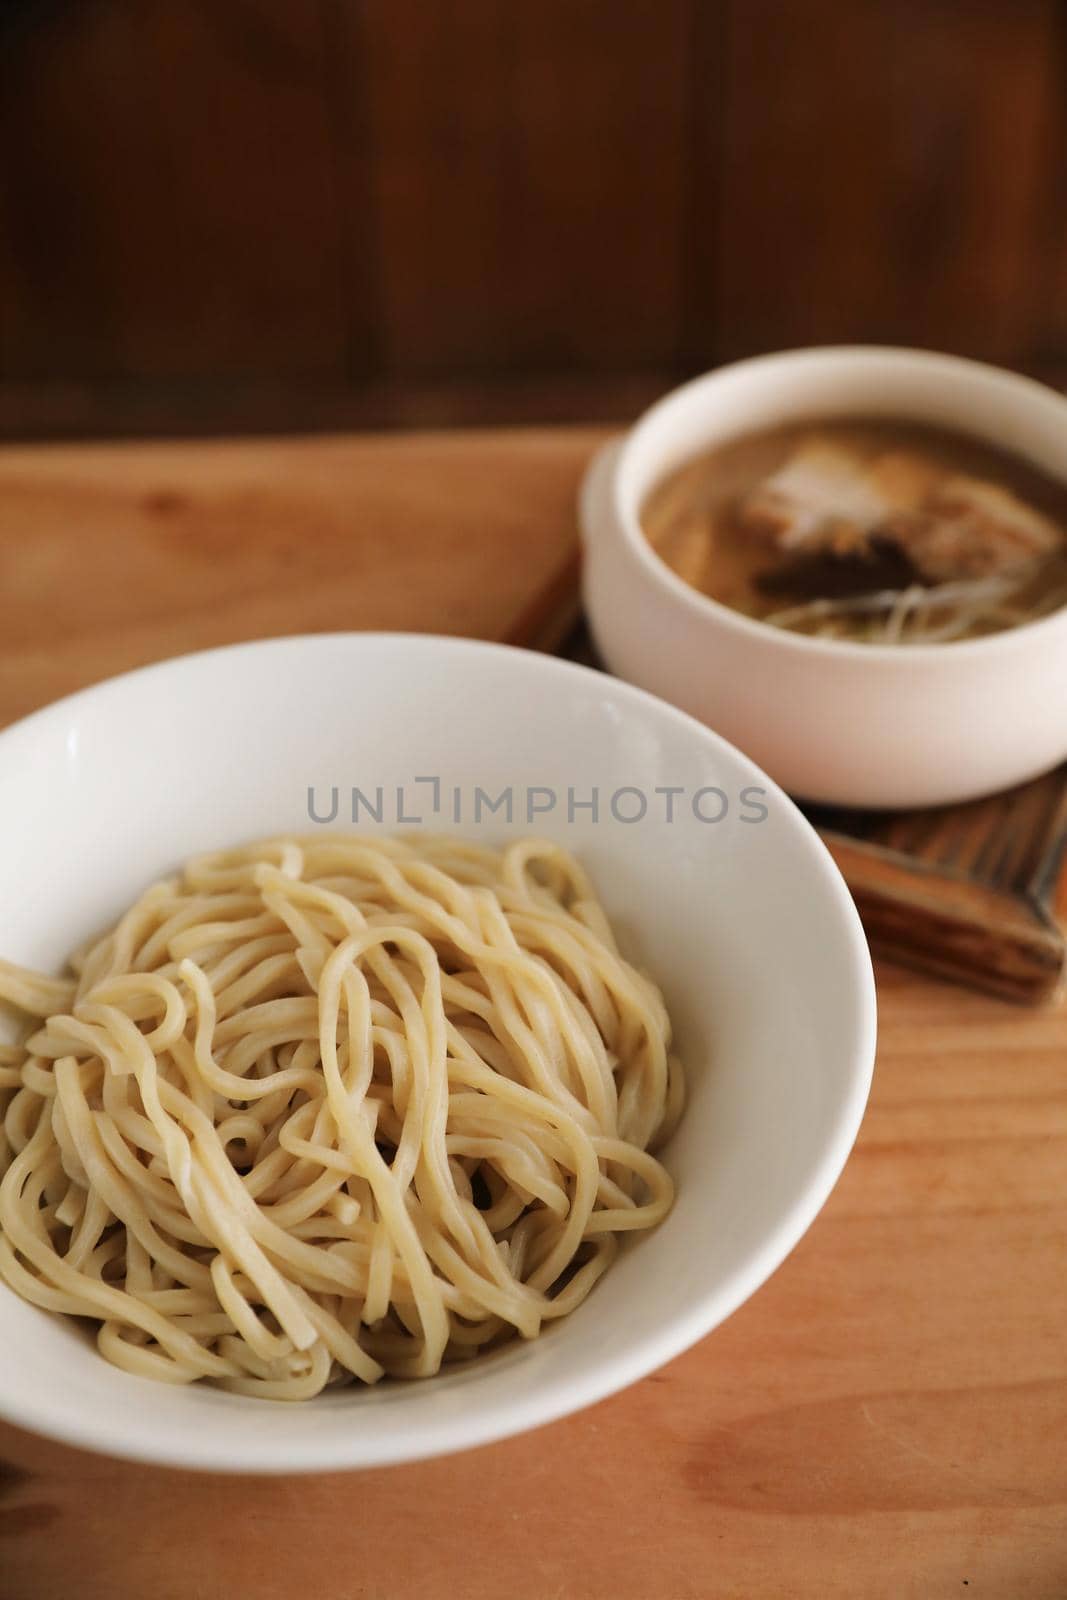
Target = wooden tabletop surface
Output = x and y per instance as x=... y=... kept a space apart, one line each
x=886 y=1418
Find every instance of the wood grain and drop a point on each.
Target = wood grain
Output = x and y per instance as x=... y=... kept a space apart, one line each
x=112 y=556
x=884 y=1419
x=969 y=891
x=956 y=927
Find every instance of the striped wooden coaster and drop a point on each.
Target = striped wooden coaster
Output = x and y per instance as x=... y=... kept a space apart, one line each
x=975 y=892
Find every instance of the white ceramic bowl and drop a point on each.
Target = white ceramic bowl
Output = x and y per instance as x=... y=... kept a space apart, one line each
x=746 y=923
x=857 y=725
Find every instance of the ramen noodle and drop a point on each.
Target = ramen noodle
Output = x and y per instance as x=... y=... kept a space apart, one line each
x=323 y=1110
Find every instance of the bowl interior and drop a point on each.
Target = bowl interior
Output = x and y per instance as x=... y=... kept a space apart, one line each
x=745 y=923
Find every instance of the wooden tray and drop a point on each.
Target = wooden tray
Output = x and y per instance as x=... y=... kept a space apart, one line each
x=970 y=892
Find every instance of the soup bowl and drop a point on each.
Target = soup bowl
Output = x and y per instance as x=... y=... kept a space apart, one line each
x=852 y=724
x=726 y=896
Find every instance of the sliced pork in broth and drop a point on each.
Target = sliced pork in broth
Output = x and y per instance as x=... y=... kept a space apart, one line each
x=885 y=532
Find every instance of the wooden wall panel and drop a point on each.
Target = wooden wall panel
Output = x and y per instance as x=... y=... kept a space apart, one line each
x=530 y=162
x=286 y=213
x=886 y=170
x=438 y=115
x=601 y=98
x=1051 y=265
x=169 y=196
x=707 y=197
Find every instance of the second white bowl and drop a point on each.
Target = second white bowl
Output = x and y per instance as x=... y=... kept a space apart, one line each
x=857 y=725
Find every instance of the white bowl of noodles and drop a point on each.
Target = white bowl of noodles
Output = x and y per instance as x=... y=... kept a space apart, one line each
x=169 y=1199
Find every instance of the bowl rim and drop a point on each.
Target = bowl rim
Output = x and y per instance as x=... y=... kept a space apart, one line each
x=625 y=517
x=35 y=1411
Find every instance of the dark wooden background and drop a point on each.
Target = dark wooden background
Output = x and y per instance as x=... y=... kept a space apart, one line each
x=258 y=214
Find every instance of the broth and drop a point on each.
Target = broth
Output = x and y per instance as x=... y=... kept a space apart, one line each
x=877 y=531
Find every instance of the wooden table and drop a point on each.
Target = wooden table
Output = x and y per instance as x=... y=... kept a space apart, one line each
x=888 y=1416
